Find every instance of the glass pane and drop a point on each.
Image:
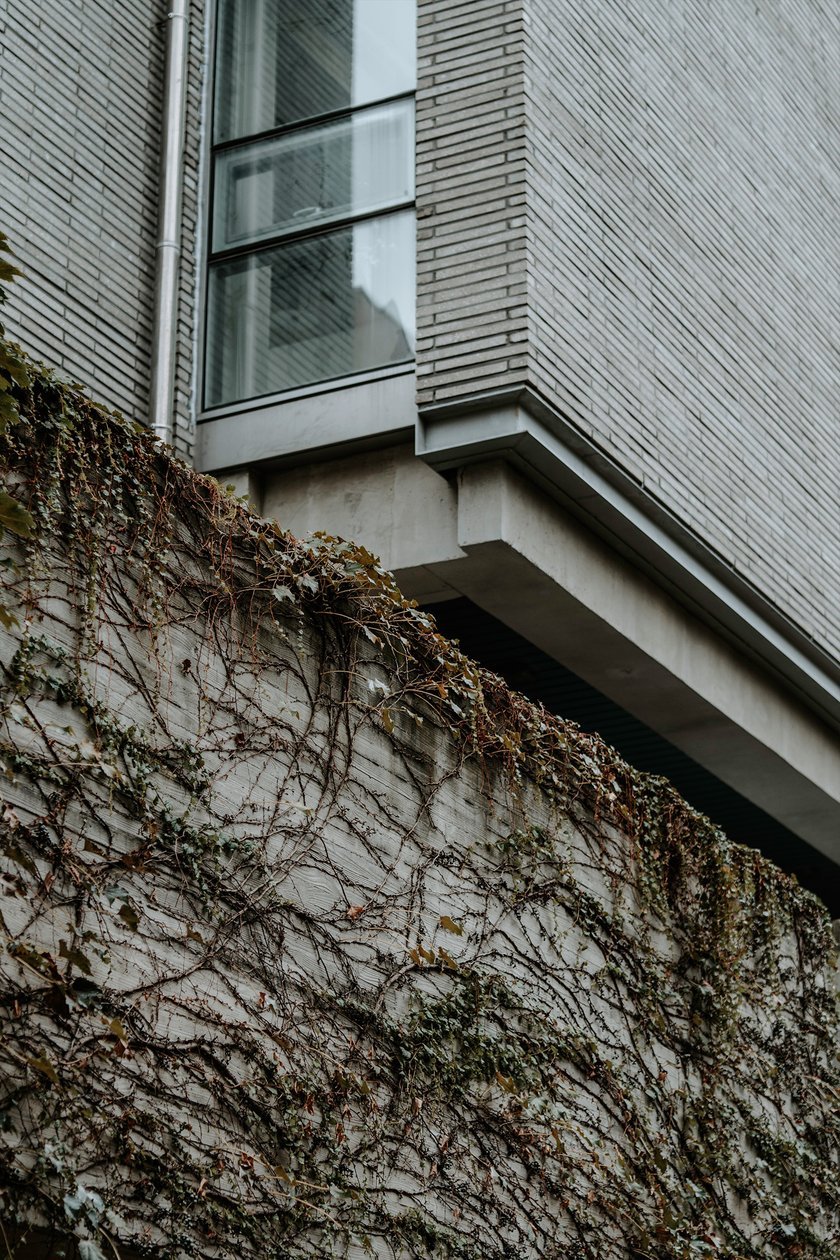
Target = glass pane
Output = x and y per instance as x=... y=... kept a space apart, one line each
x=362 y=163
x=311 y=310
x=280 y=61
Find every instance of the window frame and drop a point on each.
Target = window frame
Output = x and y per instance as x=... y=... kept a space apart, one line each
x=280 y=239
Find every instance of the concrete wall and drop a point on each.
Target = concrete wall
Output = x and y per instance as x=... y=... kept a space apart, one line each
x=317 y=943
x=80 y=96
x=682 y=191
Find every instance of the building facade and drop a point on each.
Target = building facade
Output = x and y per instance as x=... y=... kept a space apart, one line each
x=536 y=299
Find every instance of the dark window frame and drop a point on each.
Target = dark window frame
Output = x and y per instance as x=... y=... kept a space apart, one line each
x=288 y=237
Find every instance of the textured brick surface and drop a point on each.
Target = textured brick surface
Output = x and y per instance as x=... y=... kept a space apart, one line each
x=681 y=197
x=80 y=98
x=471 y=246
x=191 y=228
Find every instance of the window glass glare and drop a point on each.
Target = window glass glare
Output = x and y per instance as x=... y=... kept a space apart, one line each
x=354 y=166
x=280 y=61
x=311 y=310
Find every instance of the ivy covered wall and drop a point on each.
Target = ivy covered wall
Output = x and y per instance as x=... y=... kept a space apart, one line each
x=317 y=941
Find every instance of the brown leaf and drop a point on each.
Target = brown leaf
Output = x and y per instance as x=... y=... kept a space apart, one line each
x=43 y=1065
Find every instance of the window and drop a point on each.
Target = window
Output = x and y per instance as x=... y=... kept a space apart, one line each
x=312 y=223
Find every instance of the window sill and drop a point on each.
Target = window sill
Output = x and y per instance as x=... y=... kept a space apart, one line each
x=332 y=418
x=306 y=391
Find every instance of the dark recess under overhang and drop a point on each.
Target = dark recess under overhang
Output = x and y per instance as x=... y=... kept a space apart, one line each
x=541 y=678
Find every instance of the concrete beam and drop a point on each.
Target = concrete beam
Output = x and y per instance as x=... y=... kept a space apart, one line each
x=534 y=437
x=393 y=503
x=541 y=572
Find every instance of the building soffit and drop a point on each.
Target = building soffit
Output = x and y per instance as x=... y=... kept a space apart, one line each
x=522 y=428
x=554 y=581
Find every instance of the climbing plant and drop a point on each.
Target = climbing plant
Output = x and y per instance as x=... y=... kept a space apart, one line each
x=14 y=375
x=319 y=941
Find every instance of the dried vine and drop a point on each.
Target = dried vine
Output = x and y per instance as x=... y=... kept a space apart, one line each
x=319 y=941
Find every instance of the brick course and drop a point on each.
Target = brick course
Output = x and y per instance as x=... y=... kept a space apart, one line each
x=471 y=248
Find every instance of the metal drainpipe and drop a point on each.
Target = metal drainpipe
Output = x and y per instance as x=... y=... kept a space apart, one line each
x=162 y=394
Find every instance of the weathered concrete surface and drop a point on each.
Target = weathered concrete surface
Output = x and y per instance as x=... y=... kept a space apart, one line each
x=491 y=535
x=320 y=943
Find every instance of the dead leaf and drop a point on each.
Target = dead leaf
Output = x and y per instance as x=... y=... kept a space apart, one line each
x=43 y=1065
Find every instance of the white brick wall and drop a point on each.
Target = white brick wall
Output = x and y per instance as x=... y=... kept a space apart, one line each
x=190 y=245
x=471 y=314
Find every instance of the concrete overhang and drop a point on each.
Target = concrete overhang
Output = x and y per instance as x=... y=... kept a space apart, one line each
x=512 y=508
x=537 y=568
x=520 y=427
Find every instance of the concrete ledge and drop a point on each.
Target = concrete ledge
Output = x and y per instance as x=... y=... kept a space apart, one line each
x=520 y=427
x=337 y=419
x=541 y=572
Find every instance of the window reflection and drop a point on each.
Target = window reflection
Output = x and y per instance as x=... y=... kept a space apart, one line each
x=313 y=125
x=278 y=63
x=312 y=310
x=354 y=166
